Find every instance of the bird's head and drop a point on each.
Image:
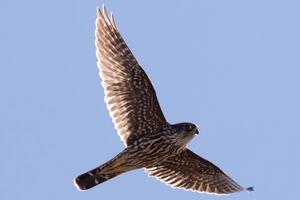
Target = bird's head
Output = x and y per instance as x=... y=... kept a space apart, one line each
x=185 y=132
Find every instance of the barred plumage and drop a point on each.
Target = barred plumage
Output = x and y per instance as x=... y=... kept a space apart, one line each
x=189 y=171
x=129 y=94
x=151 y=142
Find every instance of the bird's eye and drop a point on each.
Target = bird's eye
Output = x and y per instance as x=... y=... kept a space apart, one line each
x=189 y=127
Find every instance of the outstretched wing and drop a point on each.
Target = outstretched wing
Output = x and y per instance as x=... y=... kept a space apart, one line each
x=129 y=94
x=189 y=171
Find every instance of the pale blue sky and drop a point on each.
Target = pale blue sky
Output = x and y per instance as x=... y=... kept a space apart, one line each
x=231 y=67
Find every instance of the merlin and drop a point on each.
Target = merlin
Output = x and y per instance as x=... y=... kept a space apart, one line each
x=150 y=141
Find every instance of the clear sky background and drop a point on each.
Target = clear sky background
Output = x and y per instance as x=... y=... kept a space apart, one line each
x=231 y=67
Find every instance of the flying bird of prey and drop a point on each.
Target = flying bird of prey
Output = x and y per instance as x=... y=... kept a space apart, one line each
x=150 y=141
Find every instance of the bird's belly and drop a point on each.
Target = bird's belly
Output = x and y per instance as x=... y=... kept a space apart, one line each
x=152 y=155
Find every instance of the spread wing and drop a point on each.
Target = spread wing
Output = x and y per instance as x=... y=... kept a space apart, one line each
x=189 y=171
x=129 y=94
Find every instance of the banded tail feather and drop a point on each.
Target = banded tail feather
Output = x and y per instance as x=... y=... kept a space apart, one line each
x=92 y=178
x=114 y=167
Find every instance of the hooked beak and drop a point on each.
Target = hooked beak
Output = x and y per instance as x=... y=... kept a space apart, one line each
x=196 y=132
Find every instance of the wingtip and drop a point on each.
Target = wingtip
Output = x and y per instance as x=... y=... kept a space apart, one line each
x=250 y=189
x=105 y=12
x=102 y=12
x=99 y=13
x=113 y=20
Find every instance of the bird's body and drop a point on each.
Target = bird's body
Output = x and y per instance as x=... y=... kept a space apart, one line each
x=151 y=142
x=146 y=152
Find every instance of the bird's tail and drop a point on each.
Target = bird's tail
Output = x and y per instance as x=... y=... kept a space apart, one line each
x=92 y=178
x=108 y=170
